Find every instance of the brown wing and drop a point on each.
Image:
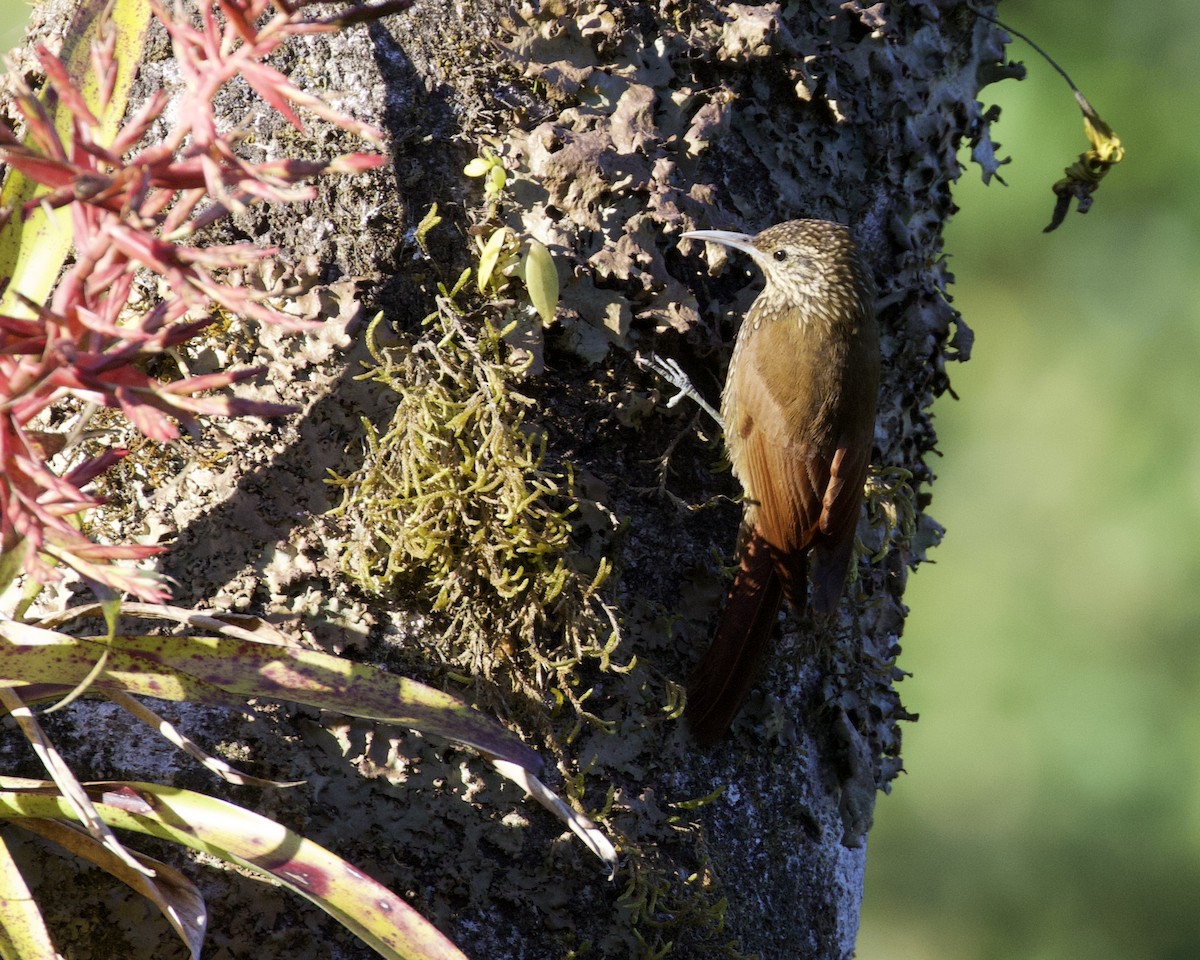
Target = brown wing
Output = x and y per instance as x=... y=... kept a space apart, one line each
x=783 y=478
x=841 y=506
x=785 y=486
x=843 y=497
x=802 y=475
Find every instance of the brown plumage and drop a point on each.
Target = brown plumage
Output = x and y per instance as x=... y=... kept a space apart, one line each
x=799 y=413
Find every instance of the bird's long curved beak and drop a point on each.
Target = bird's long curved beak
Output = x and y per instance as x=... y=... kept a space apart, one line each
x=727 y=238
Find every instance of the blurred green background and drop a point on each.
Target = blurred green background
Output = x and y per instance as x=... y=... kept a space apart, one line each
x=1051 y=809
x=1052 y=806
x=13 y=16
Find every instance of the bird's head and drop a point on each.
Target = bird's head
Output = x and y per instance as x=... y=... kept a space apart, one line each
x=807 y=263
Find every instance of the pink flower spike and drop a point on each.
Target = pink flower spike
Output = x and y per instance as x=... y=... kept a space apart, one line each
x=66 y=89
x=113 y=551
x=143 y=248
x=276 y=89
x=39 y=127
x=236 y=15
x=148 y=420
x=133 y=206
x=91 y=468
x=354 y=163
x=52 y=173
x=135 y=128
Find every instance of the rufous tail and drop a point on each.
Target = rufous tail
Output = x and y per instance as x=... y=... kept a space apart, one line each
x=722 y=679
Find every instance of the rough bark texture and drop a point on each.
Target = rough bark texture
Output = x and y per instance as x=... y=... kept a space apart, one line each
x=621 y=125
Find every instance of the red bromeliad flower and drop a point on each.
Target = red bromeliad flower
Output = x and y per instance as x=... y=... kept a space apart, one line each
x=133 y=207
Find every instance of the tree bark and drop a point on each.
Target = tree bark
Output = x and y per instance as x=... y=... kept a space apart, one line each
x=620 y=126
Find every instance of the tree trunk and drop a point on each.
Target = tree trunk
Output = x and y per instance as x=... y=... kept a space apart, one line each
x=619 y=126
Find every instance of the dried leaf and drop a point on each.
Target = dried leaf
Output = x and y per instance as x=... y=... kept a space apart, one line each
x=1084 y=175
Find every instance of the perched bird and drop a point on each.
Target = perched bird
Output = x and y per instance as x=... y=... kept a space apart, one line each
x=799 y=415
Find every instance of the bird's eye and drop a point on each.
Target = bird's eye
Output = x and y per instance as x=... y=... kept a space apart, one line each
x=780 y=255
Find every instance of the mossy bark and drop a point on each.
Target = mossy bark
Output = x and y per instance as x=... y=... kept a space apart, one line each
x=620 y=126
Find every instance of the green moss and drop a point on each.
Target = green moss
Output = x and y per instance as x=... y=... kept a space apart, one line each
x=662 y=906
x=455 y=509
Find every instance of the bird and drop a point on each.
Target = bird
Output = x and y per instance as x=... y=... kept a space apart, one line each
x=798 y=409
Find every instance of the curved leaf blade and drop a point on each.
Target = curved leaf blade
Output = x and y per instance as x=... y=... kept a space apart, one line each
x=365 y=907
x=227 y=671
x=23 y=934
x=175 y=896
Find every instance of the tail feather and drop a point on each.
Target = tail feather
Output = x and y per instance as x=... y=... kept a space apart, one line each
x=722 y=679
x=831 y=562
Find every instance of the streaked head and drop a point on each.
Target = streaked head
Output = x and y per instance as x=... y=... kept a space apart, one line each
x=803 y=260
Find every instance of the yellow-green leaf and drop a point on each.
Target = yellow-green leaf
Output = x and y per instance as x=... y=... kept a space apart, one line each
x=541 y=280
x=489 y=256
x=477 y=167
x=23 y=932
x=497 y=178
x=366 y=908
x=227 y=670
